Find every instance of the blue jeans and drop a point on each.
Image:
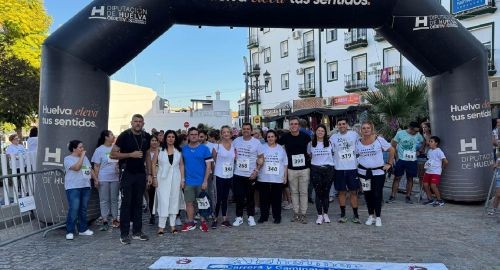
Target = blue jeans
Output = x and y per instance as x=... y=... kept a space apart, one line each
x=78 y=200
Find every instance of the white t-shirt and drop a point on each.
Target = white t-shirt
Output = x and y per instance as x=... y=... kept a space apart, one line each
x=224 y=163
x=76 y=179
x=107 y=167
x=275 y=163
x=246 y=155
x=344 y=150
x=371 y=156
x=434 y=163
x=320 y=155
x=15 y=153
x=32 y=144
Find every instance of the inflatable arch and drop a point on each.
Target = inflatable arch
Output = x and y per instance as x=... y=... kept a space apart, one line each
x=80 y=56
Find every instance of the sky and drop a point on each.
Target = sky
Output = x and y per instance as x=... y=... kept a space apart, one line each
x=184 y=63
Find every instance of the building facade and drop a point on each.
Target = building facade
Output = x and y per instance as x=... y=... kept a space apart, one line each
x=319 y=67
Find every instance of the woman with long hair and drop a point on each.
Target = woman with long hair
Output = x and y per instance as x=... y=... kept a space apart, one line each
x=322 y=171
x=224 y=155
x=153 y=151
x=272 y=177
x=167 y=178
x=372 y=168
x=107 y=179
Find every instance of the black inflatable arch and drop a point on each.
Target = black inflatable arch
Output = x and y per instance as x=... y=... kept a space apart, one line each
x=81 y=55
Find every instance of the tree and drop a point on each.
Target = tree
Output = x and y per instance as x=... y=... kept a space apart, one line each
x=24 y=25
x=394 y=106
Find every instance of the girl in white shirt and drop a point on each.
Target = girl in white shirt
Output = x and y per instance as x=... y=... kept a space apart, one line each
x=224 y=155
x=272 y=177
x=371 y=169
x=322 y=171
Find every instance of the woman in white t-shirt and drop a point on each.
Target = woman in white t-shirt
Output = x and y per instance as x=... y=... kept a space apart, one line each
x=372 y=168
x=322 y=171
x=272 y=177
x=106 y=180
x=77 y=186
x=224 y=155
x=15 y=151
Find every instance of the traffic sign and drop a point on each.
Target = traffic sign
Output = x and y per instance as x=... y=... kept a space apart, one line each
x=186 y=124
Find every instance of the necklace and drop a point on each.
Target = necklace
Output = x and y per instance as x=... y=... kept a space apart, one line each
x=139 y=147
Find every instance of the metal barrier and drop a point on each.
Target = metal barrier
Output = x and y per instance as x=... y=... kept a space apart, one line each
x=19 y=216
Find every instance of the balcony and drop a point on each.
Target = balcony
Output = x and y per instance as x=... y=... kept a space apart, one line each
x=255 y=71
x=490 y=7
x=253 y=42
x=387 y=76
x=354 y=39
x=355 y=82
x=378 y=37
x=307 y=90
x=305 y=53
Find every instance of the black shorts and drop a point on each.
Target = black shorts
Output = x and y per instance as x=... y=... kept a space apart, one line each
x=346 y=180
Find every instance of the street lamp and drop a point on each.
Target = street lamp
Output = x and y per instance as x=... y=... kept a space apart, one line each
x=255 y=73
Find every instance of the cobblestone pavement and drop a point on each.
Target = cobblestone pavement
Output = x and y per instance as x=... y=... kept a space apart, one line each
x=460 y=236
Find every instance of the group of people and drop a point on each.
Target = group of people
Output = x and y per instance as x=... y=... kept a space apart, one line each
x=179 y=174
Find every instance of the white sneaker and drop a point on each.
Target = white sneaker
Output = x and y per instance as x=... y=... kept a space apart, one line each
x=319 y=220
x=70 y=236
x=378 y=222
x=326 y=219
x=251 y=221
x=178 y=222
x=87 y=233
x=370 y=221
x=238 y=221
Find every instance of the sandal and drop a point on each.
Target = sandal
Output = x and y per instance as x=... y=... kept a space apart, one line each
x=161 y=232
x=174 y=231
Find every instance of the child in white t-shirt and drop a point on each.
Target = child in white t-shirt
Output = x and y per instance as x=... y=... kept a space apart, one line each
x=433 y=167
x=494 y=206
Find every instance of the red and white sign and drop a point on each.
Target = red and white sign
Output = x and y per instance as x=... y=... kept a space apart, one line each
x=186 y=124
x=346 y=100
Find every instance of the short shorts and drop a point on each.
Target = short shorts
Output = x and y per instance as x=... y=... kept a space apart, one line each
x=345 y=180
x=432 y=178
x=191 y=193
x=408 y=167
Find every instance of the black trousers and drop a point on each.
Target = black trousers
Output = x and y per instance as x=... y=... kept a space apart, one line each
x=244 y=190
x=322 y=179
x=270 y=194
x=373 y=197
x=223 y=186
x=132 y=186
x=151 y=198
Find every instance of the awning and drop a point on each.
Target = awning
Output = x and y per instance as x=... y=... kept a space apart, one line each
x=323 y=111
x=272 y=119
x=283 y=105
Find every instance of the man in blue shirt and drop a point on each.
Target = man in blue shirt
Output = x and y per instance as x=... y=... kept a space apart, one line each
x=197 y=159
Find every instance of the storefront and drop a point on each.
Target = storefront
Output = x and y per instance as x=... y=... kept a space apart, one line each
x=275 y=118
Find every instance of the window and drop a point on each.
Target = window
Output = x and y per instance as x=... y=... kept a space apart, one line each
x=331 y=35
x=284 y=81
x=484 y=33
x=309 y=78
x=266 y=30
x=392 y=57
x=267 y=55
x=332 y=71
x=284 y=48
x=255 y=58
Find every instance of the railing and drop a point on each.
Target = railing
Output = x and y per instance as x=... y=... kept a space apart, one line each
x=388 y=75
x=307 y=90
x=25 y=201
x=355 y=39
x=490 y=7
x=253 y=42
x=355 y=82
x=305 y=53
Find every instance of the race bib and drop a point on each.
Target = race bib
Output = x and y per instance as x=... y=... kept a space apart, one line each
x=227 y=169
x=346 y=155
x=110 y=160
x=243 y=165
x=85 y=172
x=203 y=203
x=409 y=155
x=298 y=160
x=272 y=168
x=366 y=184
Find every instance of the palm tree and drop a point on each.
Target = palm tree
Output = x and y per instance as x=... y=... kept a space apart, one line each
x=394 y=106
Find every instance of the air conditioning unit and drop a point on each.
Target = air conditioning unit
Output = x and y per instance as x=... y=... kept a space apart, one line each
x=300 y=71
x=296 y=34
x=326 y=102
